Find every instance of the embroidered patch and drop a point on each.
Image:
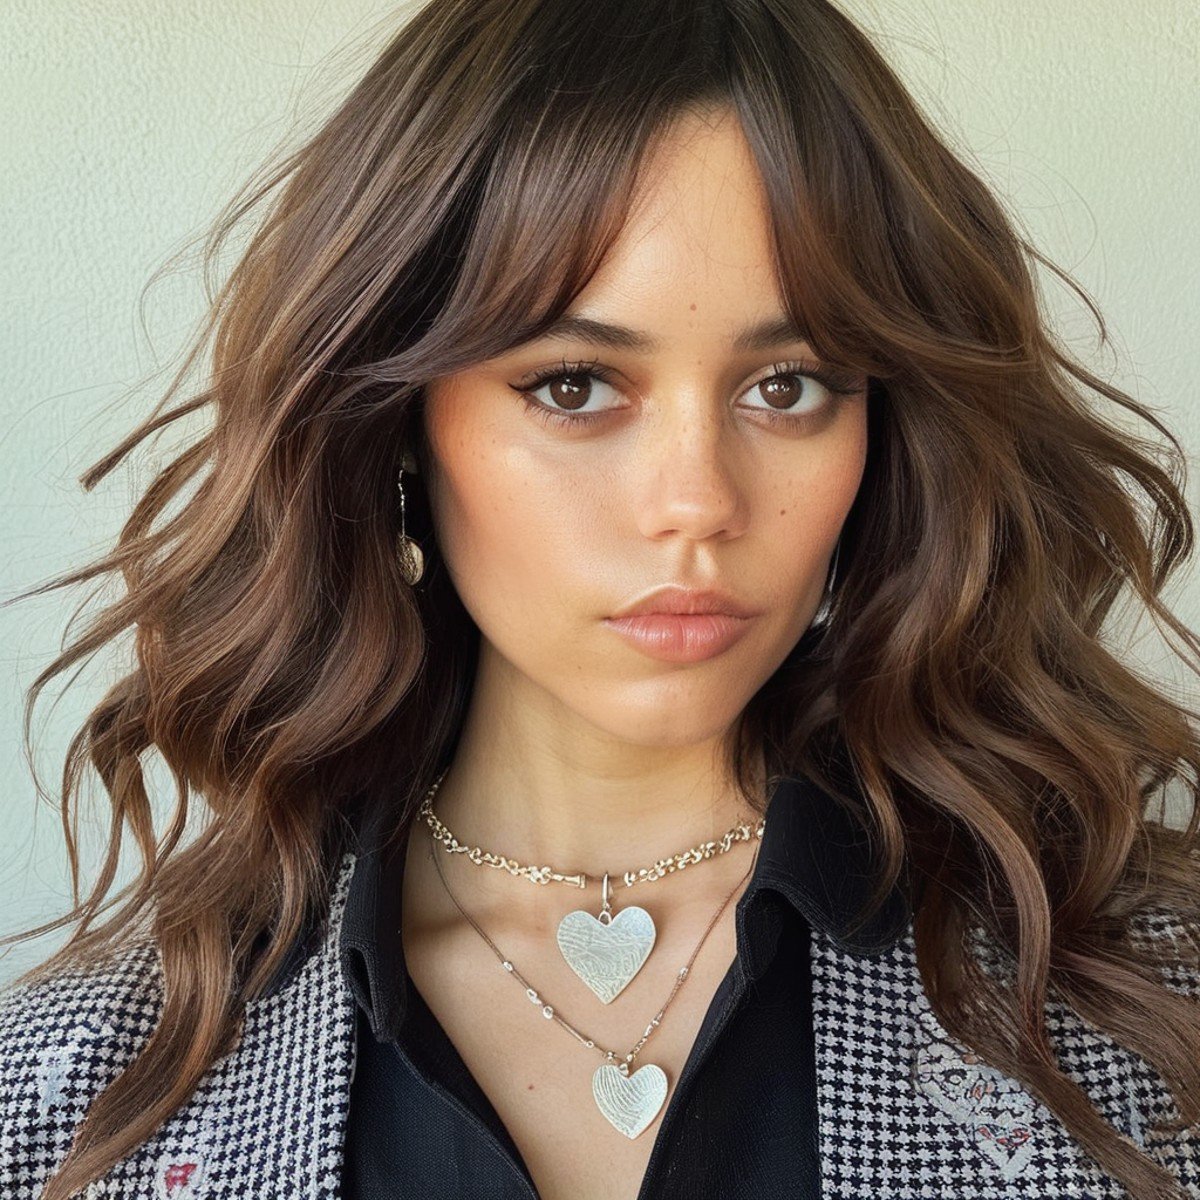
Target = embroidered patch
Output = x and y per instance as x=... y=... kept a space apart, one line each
x=999 y=1115
x=1137 y=1128
x=55 y=1062
x=180 y=1172
x=178 y=1176
x=52 y=1069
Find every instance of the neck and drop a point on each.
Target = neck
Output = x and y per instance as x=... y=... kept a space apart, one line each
x=578 y=801
x=578 y=821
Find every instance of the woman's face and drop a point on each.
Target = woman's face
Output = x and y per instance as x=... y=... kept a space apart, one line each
x=680 y=473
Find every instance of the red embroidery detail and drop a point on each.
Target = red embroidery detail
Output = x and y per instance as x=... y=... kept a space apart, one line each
x=178 y=1176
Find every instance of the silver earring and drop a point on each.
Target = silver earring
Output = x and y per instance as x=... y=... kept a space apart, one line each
x=412 y=561
x=822 y=613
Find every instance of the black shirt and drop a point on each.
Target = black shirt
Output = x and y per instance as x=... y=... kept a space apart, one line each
x=420 y=1125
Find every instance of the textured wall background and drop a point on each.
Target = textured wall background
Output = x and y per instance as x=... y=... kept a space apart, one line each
x=128 y=122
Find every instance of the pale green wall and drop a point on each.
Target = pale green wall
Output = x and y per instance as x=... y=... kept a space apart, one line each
x=127 y=123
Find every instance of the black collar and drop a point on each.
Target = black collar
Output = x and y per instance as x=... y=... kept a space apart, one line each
x=815 y=855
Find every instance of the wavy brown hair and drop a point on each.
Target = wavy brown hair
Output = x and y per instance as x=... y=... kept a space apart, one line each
x=453 y=205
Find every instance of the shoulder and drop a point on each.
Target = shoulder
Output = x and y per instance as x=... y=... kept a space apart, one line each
x=1169 y=933
x=43 y=1023
x=63 y=1039
x=1166 y=933
x=66 y=1037
x=134 y=971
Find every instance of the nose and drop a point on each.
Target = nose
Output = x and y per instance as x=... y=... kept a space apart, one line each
x=691 y=472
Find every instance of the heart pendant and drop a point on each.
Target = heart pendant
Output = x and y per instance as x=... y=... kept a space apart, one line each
x=629 y=1102
x=606 y=956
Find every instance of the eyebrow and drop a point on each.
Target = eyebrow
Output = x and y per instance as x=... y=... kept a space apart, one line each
x=775 y=331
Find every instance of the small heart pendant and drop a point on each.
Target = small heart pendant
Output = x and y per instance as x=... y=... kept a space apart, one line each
x=606 y=956
x=629 y=1102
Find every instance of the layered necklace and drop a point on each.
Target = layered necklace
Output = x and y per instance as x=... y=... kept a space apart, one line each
x=606 y=952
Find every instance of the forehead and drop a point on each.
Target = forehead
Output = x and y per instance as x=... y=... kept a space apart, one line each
x=672 y=248
x=698 y=212
x=695 y=247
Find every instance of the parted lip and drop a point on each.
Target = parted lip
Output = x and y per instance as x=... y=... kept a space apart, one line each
x=685 y=601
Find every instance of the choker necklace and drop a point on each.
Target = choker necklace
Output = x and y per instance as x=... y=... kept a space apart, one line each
x=628 y=1102
x=605 y=951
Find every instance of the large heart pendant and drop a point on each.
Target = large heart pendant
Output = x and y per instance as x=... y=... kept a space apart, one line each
x=629 y=1102
x=606 y=955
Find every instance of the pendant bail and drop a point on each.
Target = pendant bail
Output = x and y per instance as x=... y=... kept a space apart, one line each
x=605 y=917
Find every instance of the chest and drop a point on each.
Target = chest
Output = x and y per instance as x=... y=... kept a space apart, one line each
x=538 y=1076
x=901 y=1109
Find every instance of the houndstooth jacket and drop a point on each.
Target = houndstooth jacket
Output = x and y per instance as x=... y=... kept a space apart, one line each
x=905 y=1111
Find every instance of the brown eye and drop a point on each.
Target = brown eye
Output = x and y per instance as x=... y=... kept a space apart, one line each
x=784 y=391
x=570 y=387
x=799 y=394
x=569 y=391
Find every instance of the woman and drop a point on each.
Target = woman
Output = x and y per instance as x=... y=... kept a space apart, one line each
x=848 y=876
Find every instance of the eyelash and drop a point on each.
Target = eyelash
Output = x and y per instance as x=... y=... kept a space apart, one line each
x=837 y=382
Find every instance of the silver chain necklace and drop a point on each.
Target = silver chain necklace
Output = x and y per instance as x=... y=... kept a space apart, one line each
x=605 y=951
x=628 y=1102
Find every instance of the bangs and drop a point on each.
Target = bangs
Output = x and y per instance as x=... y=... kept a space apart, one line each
x=871 y=263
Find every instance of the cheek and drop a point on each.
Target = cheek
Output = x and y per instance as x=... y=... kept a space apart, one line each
x=830 y=486
x=510 y=526
x=811 y=498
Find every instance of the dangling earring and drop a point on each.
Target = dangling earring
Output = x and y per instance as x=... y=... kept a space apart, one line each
x=412 y=561
x=822 y=613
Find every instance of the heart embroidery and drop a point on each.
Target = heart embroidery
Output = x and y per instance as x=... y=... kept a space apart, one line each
x=606 y=956
x=178 y=1176
x=1000 y=1116
x=630 y=1102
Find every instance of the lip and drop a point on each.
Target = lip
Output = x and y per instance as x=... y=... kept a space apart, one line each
x=685 y=601
x=680 y=637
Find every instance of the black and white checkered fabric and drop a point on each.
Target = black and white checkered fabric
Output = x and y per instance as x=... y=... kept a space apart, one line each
x=905 y=1112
